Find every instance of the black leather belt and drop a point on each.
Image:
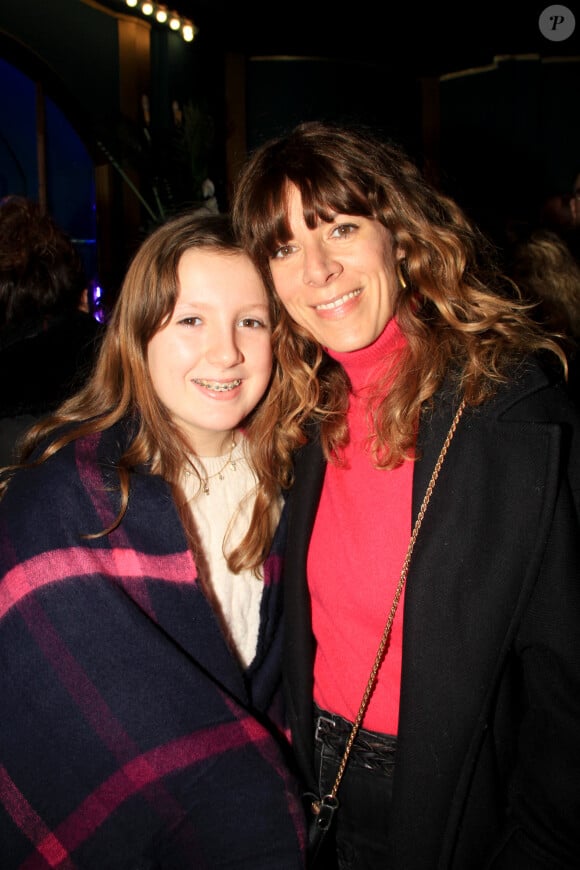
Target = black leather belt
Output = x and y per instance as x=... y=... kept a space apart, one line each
x=371 y=749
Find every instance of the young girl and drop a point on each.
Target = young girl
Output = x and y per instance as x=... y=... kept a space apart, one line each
x=140 y=544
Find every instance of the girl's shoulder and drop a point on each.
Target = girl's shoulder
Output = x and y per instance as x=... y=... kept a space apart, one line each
x=61 y=483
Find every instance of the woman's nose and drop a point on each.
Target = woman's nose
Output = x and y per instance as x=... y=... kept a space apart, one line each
x=319 y=266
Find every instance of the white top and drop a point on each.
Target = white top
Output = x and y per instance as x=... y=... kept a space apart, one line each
x=222 y=526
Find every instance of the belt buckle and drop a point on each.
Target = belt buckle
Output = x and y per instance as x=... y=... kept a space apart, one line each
x=319 y=720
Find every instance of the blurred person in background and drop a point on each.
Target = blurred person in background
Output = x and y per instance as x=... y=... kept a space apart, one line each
x=48 y=338
x=548 y=274
x=573 y=237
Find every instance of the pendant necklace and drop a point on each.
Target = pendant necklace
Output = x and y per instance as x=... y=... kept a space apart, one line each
x=205 y=477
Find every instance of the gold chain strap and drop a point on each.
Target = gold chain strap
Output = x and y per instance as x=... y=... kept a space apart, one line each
x=387 y=630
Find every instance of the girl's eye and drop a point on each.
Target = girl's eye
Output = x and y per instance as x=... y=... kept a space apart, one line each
x=190 y=321
x=252 y=322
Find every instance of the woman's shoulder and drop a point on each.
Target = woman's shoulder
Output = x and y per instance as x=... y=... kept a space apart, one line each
x=533 y=389
x=544 y=387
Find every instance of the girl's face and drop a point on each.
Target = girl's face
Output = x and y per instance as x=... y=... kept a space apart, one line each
x=337 y=280
x=211 y=363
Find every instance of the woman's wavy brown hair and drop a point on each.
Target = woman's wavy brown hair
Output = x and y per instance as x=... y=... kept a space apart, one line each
x=461 y=316
x=120 y=388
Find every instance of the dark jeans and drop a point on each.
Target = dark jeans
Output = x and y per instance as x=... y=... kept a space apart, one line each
x=358 y=840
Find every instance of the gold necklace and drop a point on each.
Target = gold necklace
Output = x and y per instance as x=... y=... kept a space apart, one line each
x=205 y=479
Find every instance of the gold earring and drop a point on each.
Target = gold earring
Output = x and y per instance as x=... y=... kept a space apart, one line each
x=400 y=275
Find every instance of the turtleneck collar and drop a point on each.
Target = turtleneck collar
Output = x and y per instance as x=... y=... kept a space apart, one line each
x=361 y=364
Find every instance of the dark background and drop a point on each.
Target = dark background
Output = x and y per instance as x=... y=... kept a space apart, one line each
x=485 y=103
x=413 y=38
x=517 y=128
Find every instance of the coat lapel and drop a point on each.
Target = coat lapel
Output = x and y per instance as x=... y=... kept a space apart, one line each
x=298 y=662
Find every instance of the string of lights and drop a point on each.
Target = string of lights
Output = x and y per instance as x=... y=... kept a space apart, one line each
x=162 y=15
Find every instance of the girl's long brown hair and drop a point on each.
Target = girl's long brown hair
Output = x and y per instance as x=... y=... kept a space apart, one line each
x=120 y=388
x=459 y=313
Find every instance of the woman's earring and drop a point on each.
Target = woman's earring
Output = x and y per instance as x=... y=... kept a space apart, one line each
x=400 y=275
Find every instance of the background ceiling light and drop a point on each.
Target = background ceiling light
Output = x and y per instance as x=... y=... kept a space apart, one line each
x=162 y=15
x=187 y=31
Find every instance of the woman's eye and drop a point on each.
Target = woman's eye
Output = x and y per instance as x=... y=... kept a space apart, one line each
x=189 y=321
x=282 y=251
x=343 y=230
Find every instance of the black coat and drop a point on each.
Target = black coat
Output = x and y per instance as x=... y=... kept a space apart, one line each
x=488 y=763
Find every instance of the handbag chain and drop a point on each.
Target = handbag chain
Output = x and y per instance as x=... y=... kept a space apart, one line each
x=329 y=801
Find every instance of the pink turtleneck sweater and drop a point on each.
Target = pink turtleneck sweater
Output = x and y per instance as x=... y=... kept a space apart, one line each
x=358 y=545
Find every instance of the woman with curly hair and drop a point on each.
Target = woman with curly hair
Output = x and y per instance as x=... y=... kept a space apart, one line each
x=432 y=635
x=141 y=537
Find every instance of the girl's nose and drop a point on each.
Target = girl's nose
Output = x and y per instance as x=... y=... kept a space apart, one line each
x=223 y=350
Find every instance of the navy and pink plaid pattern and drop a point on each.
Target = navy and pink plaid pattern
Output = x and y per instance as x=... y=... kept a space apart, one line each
x=130 y=736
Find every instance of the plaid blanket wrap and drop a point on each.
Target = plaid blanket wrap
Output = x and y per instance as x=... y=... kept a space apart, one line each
x=130 y=737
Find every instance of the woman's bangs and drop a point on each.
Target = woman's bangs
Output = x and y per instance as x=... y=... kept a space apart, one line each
x=323 y=194
x=327 y=195
x=271 y=227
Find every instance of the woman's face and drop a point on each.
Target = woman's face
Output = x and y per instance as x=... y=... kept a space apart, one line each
x=337 y=280
x=211 y=363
